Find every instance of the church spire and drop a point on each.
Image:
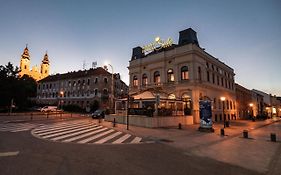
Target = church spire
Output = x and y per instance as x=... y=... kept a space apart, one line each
x=25 y=54
x=45 y=59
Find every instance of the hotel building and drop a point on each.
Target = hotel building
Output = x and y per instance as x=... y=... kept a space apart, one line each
x=184 y=72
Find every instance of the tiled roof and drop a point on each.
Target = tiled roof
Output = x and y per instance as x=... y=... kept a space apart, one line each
x=73 y=75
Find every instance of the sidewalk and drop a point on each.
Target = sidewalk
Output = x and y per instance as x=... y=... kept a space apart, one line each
x=257 y=153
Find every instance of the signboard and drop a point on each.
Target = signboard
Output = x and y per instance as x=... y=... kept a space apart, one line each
x=205 y=108
x=157 y=45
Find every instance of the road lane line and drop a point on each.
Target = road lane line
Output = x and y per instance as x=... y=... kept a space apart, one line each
x=5 y=154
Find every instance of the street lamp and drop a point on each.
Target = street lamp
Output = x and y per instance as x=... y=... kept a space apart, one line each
x=61 y=95
x=223 y=99
x=112 y=84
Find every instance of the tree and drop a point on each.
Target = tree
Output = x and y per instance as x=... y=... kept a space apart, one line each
x=13 y=87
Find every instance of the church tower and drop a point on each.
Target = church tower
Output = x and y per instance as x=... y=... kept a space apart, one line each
x=25 y=63
x=45 y=66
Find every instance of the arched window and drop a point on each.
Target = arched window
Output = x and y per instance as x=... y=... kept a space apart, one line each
x=144 y=80
x=156 y=77
x=135 y=81
x=171 y=77
x=105 y=80
x=184 y=73
x=96 y=92
x=105 y=91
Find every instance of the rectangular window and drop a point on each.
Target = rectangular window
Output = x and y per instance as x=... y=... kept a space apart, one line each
x=185 y=75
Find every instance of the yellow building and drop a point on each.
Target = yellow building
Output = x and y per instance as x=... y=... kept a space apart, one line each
x=36 y=72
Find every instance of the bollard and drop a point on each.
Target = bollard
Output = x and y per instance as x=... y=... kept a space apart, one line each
x=47 y=115
x=227 y=123
x=60 y=115
x=245 y=134
x=70 y=115
x=114 y=122
x=179 y=125
x=273 y=137
x=31 y=116
x=222 y=132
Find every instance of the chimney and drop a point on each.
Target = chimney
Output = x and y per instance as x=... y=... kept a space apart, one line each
x=137 y=53
x=188 y=36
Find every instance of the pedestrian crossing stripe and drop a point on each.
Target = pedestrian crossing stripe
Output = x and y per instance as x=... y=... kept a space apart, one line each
x=18 y=127
x=83 y=133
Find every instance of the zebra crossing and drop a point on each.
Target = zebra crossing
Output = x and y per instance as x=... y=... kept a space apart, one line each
x=83 y=132
x=18 y=127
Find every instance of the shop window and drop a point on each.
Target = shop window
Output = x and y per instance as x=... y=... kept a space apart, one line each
x=171 y=77
x=184 y=73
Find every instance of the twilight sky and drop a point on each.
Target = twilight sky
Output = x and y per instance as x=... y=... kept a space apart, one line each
x=246 y=35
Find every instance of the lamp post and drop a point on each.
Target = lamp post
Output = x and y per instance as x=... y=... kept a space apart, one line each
x=223 y=99
x=112 y=85
x=61 y=95
x=251 y=106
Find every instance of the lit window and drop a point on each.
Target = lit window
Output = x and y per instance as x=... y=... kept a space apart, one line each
x=144 y=80
x=171 y=77
x=184 y=73
x=157 y=77
x=135 y=81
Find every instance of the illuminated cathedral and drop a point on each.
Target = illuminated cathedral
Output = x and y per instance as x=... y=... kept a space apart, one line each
x=36 y=72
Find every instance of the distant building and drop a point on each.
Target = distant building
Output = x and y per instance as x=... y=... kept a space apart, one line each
x=243 y=101
x=36 y=72
x=81 y=88
x=186 y=73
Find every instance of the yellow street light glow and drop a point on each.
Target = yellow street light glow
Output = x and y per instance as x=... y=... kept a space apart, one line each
x=157 y=39
x=251 y=104
x=222 y=98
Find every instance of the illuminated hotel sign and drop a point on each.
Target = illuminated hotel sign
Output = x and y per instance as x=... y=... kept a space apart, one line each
x=157 y=45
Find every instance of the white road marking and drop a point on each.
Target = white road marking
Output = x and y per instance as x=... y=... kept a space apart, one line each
x=59 y=130
x=96 y=136
x=122 y=139
x=39 y=130
x=84 y=135
x=76 y=133
x=108 y=138
x=136 y=140
x=67 y=131
x=5 y=154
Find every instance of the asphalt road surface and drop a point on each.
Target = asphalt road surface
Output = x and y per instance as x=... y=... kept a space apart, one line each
x=21 y=153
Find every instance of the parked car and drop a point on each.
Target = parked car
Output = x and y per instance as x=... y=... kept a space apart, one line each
x=98 y=114
x=49 y=109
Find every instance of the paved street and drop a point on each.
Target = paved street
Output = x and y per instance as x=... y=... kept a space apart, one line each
x=44 y=147
x=83 y=131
